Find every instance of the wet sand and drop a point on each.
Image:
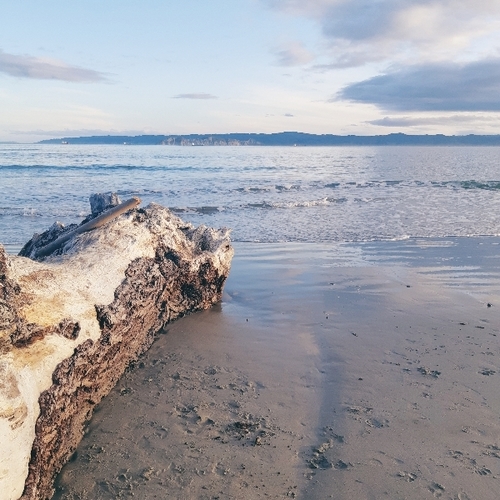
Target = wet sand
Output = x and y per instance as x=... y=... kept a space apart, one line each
x=360 y=371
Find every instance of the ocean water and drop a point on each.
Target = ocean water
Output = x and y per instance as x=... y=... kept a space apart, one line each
x=265 y=194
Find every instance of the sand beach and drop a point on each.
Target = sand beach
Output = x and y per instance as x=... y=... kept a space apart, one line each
x=345 y=371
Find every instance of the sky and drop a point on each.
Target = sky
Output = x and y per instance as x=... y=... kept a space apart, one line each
x=364 y=67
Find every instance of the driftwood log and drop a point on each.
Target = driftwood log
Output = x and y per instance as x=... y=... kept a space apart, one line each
x=94 y=223
x=71 y=323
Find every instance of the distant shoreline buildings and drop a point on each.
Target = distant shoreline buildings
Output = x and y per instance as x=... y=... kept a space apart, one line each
x=284 y=139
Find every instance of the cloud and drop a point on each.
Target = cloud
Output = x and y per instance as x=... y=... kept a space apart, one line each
x=78 y=132
x=362 y=31
x=408 y=121
x=360 y=19
x=294 y=54
x=431 y=87
x=25 y=66
x=195 y=96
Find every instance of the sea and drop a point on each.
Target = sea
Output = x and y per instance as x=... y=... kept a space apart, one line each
x=363 y=203
x=265 y=194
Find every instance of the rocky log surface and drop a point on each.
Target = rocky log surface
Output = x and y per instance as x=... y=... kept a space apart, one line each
x=73 y=320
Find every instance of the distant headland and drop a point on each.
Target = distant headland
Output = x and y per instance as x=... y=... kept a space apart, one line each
x=284 y=139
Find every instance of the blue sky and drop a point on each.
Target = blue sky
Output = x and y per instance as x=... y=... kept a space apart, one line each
x=322 y=66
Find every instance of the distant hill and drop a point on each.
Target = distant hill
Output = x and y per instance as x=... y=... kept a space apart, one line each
x=285 y=139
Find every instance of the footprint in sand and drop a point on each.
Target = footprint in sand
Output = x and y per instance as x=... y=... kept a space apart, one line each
x=408 y=476
x=487 y=372
x=427 y=371
x=437 y=489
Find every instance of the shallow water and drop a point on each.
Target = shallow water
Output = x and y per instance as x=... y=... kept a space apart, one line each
x=267 y=194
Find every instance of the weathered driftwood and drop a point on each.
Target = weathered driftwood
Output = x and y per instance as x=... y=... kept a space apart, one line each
x=70 y=325
x=102 y=201
x=98 y=221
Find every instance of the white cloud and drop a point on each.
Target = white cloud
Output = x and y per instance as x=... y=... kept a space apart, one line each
x=412 y=121
x=68 y=132
x=293 y=54
x=25 y=66
x=362 y=31
x=200 y=95
x=61 y=119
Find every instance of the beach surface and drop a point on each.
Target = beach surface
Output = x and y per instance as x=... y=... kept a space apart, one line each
x=345 y=371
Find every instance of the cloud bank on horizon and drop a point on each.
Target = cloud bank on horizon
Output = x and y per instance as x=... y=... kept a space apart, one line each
x=321 y=66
